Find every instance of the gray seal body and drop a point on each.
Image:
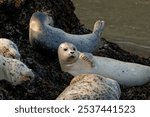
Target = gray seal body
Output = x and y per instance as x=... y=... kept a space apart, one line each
x=46 y=38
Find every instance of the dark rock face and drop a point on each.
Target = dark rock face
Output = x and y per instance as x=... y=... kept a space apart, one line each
x=50 y=81
x=12 y=3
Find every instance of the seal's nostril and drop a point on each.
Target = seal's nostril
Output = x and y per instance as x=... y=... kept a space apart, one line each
x=72 y=52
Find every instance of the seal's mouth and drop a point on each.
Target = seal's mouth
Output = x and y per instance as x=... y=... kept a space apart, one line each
x=72 y=56
x=71 y=59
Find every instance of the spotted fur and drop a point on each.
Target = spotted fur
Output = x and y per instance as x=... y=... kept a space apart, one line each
x=14 y=71
x=9 y=49
x=91 y=87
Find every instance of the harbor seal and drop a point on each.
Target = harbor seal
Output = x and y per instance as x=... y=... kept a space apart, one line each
x=126 y=73
x=46 y=38
x=9 y=49
x=14 y=71
x=91 y=87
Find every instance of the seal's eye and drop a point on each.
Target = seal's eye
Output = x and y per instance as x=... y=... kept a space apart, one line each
x=74 y=49
x=65 y=49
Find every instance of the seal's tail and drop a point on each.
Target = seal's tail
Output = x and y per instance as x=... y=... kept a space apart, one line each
x=98 y=27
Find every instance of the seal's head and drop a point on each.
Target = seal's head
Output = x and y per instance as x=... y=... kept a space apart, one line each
x=38 y=20
x=27 y=75
x=67 y=53
x=20 y=72
x=39 y=23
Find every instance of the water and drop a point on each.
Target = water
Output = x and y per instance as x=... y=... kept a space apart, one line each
x=127 y=21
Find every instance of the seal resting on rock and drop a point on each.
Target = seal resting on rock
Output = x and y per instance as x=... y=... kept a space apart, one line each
x=9 y=49
x=46 y=38
x=14 y=71
x=76 y=62
x=91 y=87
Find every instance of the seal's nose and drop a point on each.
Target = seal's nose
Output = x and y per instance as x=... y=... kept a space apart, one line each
x=72 y=52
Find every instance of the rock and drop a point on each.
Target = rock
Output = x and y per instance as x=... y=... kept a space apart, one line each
x=91 y=87
x=12 y=3
x=9 y=49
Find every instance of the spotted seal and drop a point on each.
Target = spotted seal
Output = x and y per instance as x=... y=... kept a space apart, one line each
x=46 y=38
x=9 y=49
x=14 y=71
x=91 y=87
x=126 y=73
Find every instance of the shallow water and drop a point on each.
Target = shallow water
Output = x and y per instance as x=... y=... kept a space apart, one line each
x=127 y=22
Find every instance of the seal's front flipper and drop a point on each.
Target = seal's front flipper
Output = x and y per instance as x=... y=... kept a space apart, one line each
x=88 y=58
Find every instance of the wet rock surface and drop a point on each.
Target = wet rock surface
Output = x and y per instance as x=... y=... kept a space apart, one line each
x=49 y=80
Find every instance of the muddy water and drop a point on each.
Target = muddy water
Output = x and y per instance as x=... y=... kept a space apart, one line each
x=127 y=21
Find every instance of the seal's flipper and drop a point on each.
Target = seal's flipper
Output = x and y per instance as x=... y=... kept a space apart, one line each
x=87 y=57
x=98 y=27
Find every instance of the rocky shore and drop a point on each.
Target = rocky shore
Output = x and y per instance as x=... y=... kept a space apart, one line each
x=49 y=80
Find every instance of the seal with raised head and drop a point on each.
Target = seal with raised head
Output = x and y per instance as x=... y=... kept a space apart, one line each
x=91 y=87
x=46 y=38
x=126 y=73
x=9 y=49
x=14 y=71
